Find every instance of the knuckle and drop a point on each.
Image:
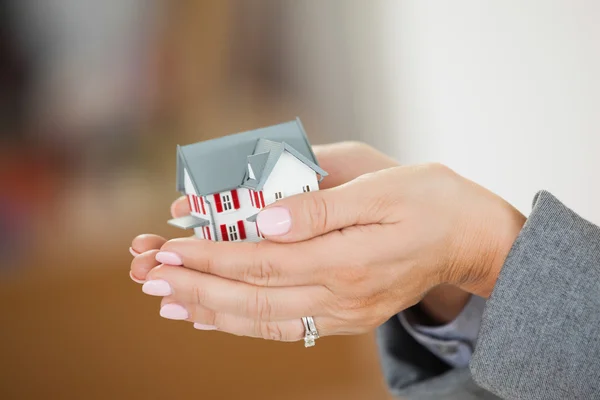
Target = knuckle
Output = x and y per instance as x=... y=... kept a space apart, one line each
x=270 y=331
x=439 y=169
x=318 y=212
x=199 y=294
x=262 y=271
x=260 y=308
x=207 y=264
x=353 y=304
x=353 y=275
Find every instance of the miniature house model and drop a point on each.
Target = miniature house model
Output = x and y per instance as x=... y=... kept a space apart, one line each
x=228 y=180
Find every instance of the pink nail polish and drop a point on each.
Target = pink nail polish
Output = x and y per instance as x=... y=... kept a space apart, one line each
x=275 y=221
x=205 y=327
x=166 y=257
x=173 y=311
x=133 y=252
x=157 y=288
x=136 y=280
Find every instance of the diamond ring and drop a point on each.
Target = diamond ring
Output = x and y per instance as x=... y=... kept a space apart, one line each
x=310 y=331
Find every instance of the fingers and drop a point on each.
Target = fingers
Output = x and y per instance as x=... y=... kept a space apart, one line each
x=313 y=214
x=346 y=161
x=180 y=207
x=263 y=264
x=207 y=320
x=143 y=243
x=142 y=264
x=259 y=303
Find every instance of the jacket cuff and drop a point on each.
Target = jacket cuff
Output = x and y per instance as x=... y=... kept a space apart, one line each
x=538 y=338
x=453 y=342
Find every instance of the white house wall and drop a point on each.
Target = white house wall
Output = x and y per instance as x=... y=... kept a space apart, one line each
x=231 y=217
x=288 y=177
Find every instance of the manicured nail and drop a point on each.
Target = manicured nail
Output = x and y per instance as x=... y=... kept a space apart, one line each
x=275 y=221
x=166 y=257
x=136 y=280
x=157 y=288
x=173 y=311
x=133 y=252
x=205 y=327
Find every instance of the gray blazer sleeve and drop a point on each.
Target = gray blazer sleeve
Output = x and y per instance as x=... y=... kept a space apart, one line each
x=540 y=333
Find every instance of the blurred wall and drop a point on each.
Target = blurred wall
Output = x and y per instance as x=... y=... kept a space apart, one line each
x=332 y=59
x=507 y=93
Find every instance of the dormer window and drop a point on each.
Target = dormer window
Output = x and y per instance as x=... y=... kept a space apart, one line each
x=251 y=172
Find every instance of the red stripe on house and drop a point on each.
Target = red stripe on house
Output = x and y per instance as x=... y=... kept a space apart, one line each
x=189 y=198
x=256 y=200
x=218 y=203
x=262 y=199
x=251 y=197
x=236 y=200
x=208 y=232
x=224 y=236
x=196 y=206
x=202 y=204
x=241 y=229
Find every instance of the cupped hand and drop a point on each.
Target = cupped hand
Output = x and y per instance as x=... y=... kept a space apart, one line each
x=344 y=161
x=350 y=256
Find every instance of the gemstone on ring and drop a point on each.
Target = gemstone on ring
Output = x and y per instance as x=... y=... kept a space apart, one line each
x=310 y=331
x=309 y=340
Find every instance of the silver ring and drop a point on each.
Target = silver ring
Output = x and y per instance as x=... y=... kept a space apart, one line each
x=310 y=331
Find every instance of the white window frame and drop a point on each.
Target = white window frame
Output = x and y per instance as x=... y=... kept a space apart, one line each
x=232 y=232
x=227 y=202
x=278 y=196
x=306 y=188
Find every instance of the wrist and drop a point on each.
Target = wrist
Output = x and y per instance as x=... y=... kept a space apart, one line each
x=488 y=238
x=440 y=306
x=510 y=224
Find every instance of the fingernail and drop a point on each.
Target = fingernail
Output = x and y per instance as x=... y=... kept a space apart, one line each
x=205 y=327
x=274 y=221
x=173 y=311
x=133 y=252
x=157 y=288
x=136 y=280
x=166 y=257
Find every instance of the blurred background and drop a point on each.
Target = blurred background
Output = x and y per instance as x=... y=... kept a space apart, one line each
x=94 y=97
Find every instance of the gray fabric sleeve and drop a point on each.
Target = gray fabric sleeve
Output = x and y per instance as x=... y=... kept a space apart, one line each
x=540 y=334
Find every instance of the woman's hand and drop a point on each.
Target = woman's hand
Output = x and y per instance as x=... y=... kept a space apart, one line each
x=351 y=256
x=344 y=161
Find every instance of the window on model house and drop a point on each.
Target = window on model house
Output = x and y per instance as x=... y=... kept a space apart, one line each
x=233 y=232
x=306 y=188
x=278 y=195
x=226 y=199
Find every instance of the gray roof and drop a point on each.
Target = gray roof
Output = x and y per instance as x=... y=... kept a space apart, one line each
x=221 y=164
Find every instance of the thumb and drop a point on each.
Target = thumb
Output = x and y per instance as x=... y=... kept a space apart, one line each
x=313 y=214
